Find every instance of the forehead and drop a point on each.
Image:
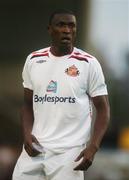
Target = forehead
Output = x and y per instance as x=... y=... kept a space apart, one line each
x=66 y=18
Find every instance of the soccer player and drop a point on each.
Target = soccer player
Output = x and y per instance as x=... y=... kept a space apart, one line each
x=60 y=82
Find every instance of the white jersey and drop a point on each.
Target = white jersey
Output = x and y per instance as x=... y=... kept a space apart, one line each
x=62 y=87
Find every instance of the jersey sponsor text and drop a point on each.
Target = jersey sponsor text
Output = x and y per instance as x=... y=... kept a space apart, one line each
x=53 y=99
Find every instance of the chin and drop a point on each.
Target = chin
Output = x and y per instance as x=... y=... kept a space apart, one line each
x=66 y=47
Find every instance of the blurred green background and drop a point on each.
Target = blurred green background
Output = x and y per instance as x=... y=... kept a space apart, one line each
x=103 y=31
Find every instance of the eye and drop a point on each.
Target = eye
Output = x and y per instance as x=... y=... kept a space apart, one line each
x=60 y=24
x=72 y=25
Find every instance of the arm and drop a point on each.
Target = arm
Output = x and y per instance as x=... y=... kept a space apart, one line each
x=100 y=126
x=27 y=123
x=101 y=104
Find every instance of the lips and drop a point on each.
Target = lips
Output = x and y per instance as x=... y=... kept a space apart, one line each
x=66 y=39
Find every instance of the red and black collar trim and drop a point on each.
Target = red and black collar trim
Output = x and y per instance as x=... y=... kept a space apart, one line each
x=39 y=54
x=81 y=57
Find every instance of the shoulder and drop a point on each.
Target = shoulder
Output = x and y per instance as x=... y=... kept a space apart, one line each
x=92 y=60
x=82 y=55
x=36 y=54
x=39 y=53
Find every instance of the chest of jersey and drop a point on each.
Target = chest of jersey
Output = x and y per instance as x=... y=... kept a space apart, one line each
x=62 y=77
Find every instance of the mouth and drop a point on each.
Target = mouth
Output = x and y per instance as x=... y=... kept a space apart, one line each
x=66 y=40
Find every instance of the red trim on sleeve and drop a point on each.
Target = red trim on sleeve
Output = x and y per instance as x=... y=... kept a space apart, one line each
x=39 y=54
x=80 y=58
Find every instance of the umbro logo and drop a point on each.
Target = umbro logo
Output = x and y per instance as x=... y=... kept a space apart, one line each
x=40 y=61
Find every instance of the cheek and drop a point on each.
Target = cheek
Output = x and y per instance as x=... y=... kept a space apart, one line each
x=55 y=36
x=74 y=35
x=74 y=32
x=55 y=32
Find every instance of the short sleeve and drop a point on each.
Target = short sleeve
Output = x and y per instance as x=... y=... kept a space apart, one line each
x=96 y=80
x=26 y=74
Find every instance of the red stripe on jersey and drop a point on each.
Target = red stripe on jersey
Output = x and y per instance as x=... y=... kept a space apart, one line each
x=77 y=53
x=88 y=56
x=80 y=58
x=36 y=52
x=39 y=55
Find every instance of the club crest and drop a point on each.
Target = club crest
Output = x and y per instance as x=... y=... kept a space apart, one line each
x=72 y=71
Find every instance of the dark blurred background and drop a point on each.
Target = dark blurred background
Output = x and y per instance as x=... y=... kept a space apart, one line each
x=103 y=31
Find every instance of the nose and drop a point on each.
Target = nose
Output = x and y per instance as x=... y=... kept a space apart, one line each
x=66 y=29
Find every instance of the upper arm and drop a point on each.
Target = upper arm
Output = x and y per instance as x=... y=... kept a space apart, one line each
x=101 y=103
x=27 y=107
x=28 y=97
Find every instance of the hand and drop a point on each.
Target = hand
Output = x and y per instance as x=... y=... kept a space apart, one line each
x=31 y=151
x=88 y=155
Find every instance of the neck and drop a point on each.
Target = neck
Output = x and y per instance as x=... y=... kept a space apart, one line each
x=61 y=51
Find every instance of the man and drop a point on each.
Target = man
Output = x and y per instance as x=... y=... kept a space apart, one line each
x=59 y=84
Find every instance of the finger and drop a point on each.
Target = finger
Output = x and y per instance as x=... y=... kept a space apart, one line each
x=79 y=166
x=31 y=151
x=35 y=151
x=79 y=157
x=34 y=139
x=28 y=150
x=84 y=165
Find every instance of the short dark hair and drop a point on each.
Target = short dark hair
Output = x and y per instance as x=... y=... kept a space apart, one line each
x=60 y=11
